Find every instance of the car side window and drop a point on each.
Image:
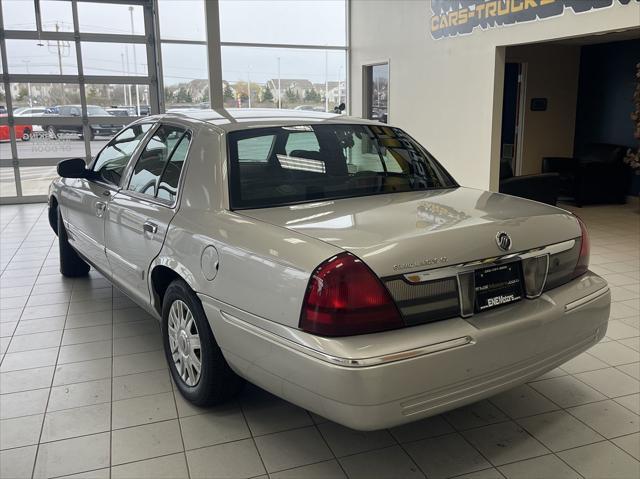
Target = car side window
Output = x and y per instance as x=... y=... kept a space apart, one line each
x=303 y=141
x=153 y=163
x=111 y=162
x=168 y=186
x=256 y=149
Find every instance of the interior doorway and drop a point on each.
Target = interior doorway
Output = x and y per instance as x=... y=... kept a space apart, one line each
x=512 y=118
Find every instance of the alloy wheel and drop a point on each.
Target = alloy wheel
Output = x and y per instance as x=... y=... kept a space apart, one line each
x=184 y=343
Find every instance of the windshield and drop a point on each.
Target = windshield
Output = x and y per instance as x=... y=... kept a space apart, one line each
x=294 y=164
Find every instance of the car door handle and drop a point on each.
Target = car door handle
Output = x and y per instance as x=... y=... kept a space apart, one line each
x=149 y=227
x=100 y=207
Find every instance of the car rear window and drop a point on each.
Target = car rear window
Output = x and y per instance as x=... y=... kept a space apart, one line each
x=295 y=164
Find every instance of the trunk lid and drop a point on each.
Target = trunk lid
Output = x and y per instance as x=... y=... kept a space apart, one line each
x=415 y=231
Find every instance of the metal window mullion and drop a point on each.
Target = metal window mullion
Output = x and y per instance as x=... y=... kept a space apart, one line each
x=214 y=53
x=36 y=6
x=9 y=104
x=71 y=36
x=40 y=78
x=29 y=162
x=10 y=200
x=291 y=46
x=83 y=99
x=154 y=63
x=283 y=45
x=348 y=72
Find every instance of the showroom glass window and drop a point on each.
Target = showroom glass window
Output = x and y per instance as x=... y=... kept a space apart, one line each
x=275 y=54
x=75 y=73
x=376 y=83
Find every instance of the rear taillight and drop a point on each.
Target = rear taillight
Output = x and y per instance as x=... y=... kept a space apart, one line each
x=344 y=297
x=582 y=266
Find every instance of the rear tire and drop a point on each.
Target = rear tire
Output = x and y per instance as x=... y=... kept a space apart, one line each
x=71 y=264
x=184 y=325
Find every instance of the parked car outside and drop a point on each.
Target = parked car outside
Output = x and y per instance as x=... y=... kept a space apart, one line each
x=118 y=111
x=103 y=129
x=22 y=132
x=30 y=111
x=35 y=111
x=329 y=260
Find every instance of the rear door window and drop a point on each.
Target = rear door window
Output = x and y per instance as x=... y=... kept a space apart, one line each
x=159 y=166
x=256 y=149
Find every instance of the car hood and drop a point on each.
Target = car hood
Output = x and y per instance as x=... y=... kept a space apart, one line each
x=402 y=232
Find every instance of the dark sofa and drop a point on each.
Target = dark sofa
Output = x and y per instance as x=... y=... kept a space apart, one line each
x=542 y=187
x=596 y=174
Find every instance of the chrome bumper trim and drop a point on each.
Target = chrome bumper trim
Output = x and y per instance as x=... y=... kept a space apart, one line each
x=348 y=362
x=454 y=270
x=586 y=299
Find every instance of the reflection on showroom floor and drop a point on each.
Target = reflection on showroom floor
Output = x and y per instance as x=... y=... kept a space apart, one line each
x=84 y=387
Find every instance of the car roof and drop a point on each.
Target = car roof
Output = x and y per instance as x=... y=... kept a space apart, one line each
x=241 y=118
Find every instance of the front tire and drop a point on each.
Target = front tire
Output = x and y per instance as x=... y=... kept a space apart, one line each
x=71 y=264
x=195 y=360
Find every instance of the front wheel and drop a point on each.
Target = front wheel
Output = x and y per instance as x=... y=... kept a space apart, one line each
x=196 y=362
x=71 y=264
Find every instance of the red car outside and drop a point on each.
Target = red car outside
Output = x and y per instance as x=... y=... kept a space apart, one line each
x=22 y=131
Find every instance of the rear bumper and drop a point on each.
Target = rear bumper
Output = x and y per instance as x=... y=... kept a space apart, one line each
x=382 y=380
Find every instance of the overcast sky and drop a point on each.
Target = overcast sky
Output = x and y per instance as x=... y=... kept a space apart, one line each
x=317 y=22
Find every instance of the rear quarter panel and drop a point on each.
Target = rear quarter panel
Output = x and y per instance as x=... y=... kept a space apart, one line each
x=262 y=269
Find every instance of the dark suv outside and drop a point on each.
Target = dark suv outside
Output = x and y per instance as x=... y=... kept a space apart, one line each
x=75 y=111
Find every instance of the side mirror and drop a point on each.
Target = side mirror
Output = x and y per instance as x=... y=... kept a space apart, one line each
x=73 y=168
x=340 y=108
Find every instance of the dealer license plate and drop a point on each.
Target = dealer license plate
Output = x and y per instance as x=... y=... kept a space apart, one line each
x=498 y=285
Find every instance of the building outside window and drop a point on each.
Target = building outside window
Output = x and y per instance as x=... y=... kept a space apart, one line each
x=74 y=72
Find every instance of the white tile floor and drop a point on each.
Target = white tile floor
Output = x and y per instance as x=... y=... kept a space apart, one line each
x=85 y=390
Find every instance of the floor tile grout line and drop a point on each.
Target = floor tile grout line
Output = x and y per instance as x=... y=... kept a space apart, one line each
x=44 y=419
x=184 y=449
x=401 y=446
x=539 y=441
x=35 y=222
x=464 y=438
x=111 y=390
x=567 y=410
x=32 y=286
x=326 y=442
x=253 y=439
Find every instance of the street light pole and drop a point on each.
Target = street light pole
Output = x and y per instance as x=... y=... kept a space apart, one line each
x=279 y=87
x=26 y=63
x=135 y=62
x=249 y=85
x=326 y=80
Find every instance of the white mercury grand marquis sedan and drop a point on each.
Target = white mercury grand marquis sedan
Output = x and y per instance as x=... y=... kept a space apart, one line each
x=329 y=260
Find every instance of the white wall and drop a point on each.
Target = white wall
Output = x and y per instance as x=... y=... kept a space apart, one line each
x=443 y=91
